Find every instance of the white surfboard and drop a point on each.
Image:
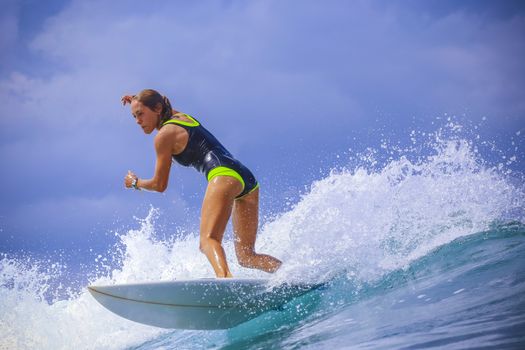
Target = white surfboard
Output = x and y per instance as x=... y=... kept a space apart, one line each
x=196 y=304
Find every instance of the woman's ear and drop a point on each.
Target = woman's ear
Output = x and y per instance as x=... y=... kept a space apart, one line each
x=158 y=108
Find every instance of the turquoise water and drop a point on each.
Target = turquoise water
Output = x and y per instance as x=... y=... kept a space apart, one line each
x=417 y=252
x=469 y=293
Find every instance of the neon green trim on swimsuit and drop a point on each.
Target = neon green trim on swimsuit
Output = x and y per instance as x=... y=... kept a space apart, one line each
x=223 y=171
x=193 y=122
x=253 y=189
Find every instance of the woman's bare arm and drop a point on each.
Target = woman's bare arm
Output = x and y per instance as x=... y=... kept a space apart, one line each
x=159 y=182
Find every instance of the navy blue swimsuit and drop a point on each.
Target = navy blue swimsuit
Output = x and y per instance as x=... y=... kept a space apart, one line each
x=205 y=153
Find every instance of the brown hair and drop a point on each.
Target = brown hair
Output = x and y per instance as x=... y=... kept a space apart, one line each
x=151 y=99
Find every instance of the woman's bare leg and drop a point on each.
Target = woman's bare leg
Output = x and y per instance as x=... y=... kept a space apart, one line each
x=215 y=213
x=245 y=222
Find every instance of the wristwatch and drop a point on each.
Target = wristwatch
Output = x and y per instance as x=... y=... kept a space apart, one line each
x=134 y=183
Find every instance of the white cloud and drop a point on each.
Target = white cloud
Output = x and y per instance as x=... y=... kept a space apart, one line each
x=240 y=59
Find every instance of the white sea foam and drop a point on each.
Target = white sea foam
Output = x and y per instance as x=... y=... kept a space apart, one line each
x=369 y=222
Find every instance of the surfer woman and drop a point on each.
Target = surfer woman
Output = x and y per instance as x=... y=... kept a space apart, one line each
x=232 y=188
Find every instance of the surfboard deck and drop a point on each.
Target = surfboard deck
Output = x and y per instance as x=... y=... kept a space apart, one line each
x=196 y=304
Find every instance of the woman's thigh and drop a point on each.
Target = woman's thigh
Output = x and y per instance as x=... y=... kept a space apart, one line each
x=217 y=206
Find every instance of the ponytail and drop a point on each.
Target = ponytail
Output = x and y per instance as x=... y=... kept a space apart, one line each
x=167 y=111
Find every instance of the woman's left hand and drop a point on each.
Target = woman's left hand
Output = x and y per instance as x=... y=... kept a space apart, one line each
x=128 y=180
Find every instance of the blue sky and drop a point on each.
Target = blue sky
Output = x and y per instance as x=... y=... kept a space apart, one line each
x=288 y=86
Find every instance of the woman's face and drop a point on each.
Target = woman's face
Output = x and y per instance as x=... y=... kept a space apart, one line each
x=145 y=117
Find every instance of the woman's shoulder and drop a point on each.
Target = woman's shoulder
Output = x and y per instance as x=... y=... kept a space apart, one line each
x=169 y=134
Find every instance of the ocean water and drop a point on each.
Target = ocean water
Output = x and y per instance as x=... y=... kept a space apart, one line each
x=422 y=249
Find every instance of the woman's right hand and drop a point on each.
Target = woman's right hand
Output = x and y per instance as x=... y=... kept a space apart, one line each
x=126 y=99
x=128 y=180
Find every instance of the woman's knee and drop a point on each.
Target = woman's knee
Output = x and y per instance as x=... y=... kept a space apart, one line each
x=245 y=257
x=206 y=243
